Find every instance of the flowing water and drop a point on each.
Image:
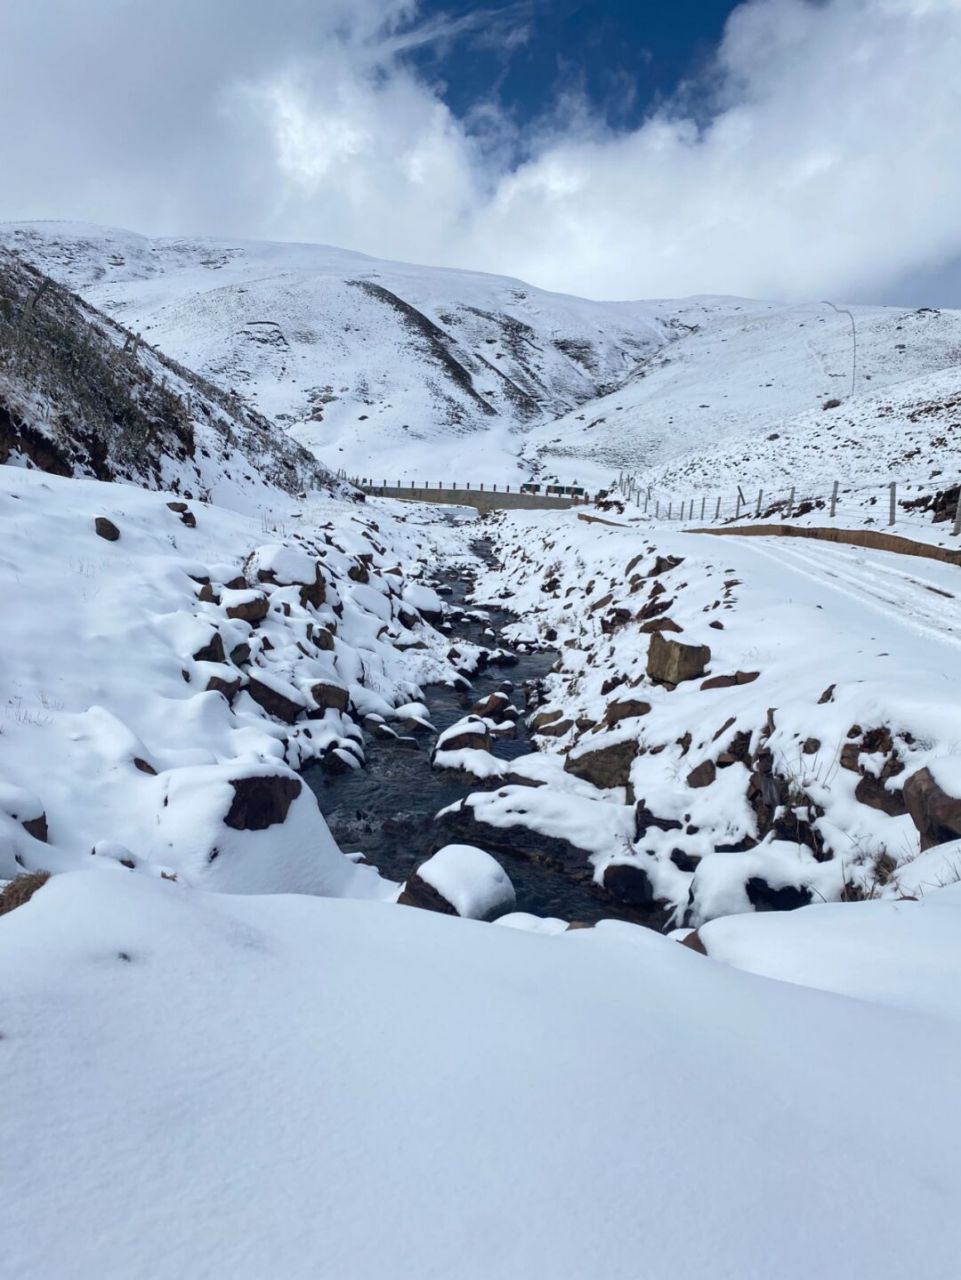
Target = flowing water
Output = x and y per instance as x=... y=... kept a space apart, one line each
x=387 y=809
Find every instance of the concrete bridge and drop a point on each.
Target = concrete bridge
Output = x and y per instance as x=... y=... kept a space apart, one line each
x=484 y=497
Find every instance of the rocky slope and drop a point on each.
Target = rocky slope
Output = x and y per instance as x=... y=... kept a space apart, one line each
x=82 y=395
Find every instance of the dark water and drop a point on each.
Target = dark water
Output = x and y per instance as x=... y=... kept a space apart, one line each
x=387 y=809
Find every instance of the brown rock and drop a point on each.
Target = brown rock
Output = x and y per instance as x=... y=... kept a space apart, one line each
x=36 y=827
x=106 y=529
x=327 y=695
x=670 y=661
x=274 y=702
x=418 y=893
x=719 y=682
x=556 y=729
x=663 y=563
x=212 y=651
x=252 y=610
x=702 y=775
x=608 y=766
x=872 y=791
x=493 y=707
x=144 y=766
x=543 y=718
x=473 y=737
x=659 y=624
x=314 y=593
x=625 y=709
x=228 y=687
x=261 y=802
x=694 y=942
x=935 y=813
x=811 y=746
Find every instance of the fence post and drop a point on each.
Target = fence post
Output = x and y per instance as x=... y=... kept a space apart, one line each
x=957 y=515
x=657 y=510
x=669 y=505
x=790 y=503
x=757 y=510
x=892 y=510
x=717 y=509
x=834 y=499
x=647 y=498
x=703 y=501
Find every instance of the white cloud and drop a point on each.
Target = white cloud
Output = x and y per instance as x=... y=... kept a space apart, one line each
x=830 y=161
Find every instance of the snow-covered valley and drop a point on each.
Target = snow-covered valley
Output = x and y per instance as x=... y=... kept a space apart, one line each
x=630 y=945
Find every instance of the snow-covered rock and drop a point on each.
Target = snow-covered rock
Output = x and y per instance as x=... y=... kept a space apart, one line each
x=462 y=880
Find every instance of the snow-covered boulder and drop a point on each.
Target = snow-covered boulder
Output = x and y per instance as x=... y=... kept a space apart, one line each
x=247 y=828
x=470 y=733
x=460 y=880
x=425 y=600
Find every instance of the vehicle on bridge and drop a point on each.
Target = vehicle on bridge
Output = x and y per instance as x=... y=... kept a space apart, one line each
x=566 y=490
x=530 y=487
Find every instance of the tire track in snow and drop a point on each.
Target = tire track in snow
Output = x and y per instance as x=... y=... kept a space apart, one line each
x=899 y=596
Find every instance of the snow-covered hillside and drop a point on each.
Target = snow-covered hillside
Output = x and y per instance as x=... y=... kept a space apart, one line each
x=396 y=372
x=373 y=365
x=81 y=395
x=740 y=396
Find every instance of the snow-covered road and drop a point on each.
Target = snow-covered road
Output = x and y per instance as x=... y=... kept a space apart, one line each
x=919 y=596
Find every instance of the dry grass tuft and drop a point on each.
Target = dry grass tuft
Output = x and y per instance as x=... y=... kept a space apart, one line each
x=21 y=890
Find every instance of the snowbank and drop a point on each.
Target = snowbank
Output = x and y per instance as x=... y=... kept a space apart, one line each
x=227 y=1085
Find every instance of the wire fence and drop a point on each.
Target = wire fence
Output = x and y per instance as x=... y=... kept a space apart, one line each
x=913 y=503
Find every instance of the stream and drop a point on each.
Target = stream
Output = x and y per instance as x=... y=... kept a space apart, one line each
x=387 y=809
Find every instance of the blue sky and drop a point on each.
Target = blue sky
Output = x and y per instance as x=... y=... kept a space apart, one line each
x=624 y=57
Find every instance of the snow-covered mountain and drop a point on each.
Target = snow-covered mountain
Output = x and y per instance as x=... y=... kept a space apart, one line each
x=406 y=372
x=371 y=364
x=742 y=371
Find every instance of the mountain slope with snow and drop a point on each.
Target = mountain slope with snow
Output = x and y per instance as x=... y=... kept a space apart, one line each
x=745 y=371
x=371 y=364
x=394 y=371
x=81 y=395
